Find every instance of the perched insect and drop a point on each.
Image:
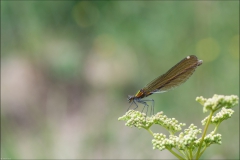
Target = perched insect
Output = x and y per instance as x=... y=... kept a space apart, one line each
x=177 y=75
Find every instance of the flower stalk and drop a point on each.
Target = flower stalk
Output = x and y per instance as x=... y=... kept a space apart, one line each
x=186 y=143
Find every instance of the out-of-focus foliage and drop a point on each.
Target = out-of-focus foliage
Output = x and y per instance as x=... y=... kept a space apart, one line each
x=67 y=67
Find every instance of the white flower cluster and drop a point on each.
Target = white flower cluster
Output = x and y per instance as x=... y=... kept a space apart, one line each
x=189 y=139
x=213 y=139
x=136 y=119
x=161 y=142
x=139 y=120
x=224 y=114
x=217 y=101
x=185 y=140
x=171 y=124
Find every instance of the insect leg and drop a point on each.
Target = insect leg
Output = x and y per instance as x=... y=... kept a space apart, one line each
x=136 y=105
x=129 y=106
x=145 y=104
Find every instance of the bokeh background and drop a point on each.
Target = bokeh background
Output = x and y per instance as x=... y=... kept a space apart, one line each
x=68 y=66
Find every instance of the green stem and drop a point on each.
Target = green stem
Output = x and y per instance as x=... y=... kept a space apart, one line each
x=191 y=156
x=149 y=130
x=216 y=127
x=203 y=135
x=187 y=154
x=183 y=154
x=175 y=154
x=203 y=151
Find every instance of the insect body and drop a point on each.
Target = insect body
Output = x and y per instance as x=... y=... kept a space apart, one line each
x=177 y=75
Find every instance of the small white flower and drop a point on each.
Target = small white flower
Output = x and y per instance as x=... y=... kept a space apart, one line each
x=217 y=101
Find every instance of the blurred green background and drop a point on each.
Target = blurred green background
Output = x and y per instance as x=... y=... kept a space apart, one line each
x=68 y=66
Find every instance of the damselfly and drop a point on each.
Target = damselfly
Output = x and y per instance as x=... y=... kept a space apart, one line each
x=177 y=75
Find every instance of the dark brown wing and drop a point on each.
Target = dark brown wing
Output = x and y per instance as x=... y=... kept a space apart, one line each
x=177 y=75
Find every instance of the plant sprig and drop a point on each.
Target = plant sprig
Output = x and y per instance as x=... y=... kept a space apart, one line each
x=187 y=144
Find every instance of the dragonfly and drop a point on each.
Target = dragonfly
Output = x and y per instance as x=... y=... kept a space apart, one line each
x=174 y=77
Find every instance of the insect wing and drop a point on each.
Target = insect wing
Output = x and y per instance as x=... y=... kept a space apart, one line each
x=177 y=75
